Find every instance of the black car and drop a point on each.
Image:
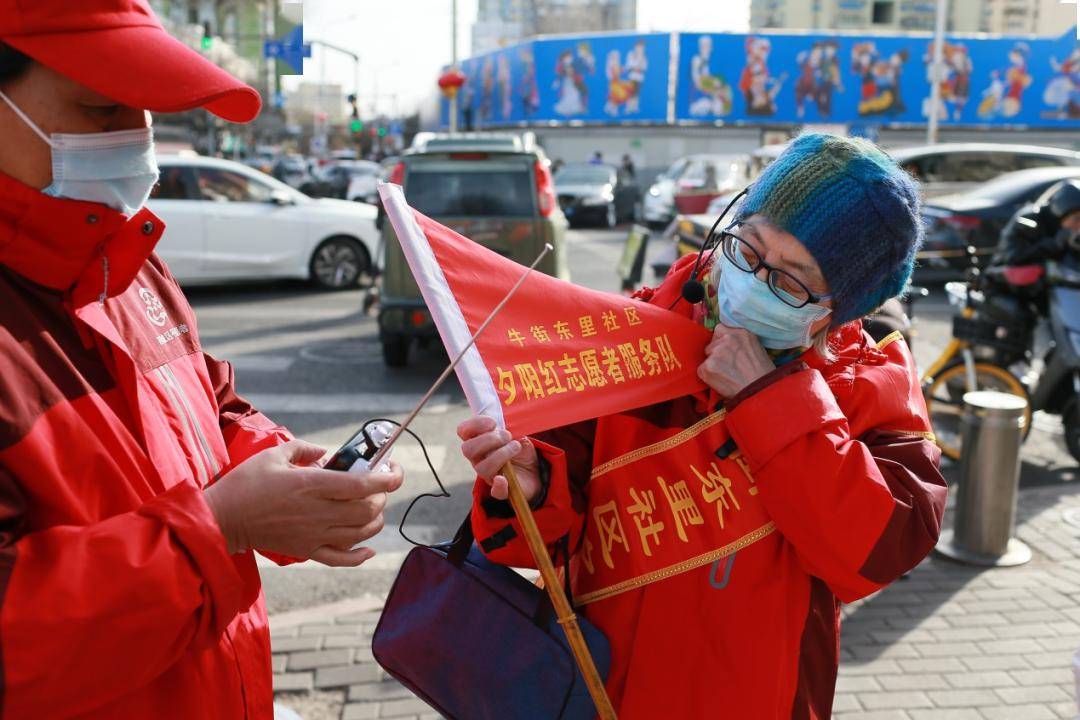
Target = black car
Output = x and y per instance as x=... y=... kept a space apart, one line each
x=976 y=218
x=596 y=193
x=333 y=180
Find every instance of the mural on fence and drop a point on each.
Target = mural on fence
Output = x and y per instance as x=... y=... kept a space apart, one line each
x=776 y=79
x=592 y=79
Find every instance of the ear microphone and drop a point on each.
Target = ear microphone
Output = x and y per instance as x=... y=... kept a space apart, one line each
x=693 y=290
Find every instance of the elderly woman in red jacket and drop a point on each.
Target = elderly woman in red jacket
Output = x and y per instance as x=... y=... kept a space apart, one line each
x=715 y=536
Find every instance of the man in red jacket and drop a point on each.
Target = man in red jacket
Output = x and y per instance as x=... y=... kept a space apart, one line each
x=715 y=535
x=134 y=481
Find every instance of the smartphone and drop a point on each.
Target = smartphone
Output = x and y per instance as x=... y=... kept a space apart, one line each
x=356 y=453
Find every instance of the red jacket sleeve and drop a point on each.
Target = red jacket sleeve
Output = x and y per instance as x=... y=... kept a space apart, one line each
x=861 y=498
x=566 y=457
x=246 y=430
x=90 y=612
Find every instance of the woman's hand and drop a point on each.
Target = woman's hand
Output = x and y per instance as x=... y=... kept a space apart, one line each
x=489 y=449
x=734 y=359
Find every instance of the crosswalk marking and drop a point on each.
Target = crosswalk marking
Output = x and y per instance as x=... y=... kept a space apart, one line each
x=261 y=363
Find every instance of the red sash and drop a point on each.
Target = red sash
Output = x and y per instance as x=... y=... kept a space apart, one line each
x=667 y=508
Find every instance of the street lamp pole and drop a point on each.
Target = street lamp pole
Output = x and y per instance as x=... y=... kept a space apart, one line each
x=453 y=63
x=322 y=83
x=355 y=58
x=935 y=74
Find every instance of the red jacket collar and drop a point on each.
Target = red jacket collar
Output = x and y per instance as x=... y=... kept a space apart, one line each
x=61 y=243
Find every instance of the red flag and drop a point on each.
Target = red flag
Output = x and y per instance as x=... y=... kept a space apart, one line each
x=557 y=353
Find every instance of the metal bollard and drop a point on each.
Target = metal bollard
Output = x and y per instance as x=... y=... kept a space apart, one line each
x=985 y=513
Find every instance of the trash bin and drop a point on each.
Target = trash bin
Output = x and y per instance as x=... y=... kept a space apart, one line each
x=985 y=512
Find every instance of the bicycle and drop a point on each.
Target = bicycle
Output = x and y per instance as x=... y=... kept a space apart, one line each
x=992 y=332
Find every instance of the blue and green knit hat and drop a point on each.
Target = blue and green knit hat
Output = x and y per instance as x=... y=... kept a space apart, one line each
x=853 y=208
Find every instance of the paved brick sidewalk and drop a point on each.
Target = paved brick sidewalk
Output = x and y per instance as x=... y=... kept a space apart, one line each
x=952 y=641
x=327 y=651
x=949 y=642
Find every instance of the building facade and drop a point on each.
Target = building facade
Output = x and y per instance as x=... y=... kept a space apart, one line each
x=502 y=22
x=232 y=32
x=1047 y=18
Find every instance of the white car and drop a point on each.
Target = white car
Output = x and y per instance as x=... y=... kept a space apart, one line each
x=694 y=174
x=226 y=221
x=658 y=207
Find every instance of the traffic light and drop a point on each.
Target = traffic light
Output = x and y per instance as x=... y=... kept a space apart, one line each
x=382 y=132
x=355 y=107
x=207 y=37
x=356 y=126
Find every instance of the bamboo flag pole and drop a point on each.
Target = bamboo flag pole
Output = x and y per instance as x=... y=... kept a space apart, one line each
x=563 y=611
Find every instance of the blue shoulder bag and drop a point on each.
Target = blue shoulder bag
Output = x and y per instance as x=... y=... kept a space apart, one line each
x=477 y=641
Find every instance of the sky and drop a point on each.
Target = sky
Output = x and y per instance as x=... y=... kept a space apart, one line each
x=403 y=43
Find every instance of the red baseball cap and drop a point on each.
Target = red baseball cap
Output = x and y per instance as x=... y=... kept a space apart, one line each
x=119 y=49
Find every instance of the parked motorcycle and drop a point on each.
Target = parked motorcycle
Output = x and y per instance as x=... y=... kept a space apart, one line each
x=1058 y=388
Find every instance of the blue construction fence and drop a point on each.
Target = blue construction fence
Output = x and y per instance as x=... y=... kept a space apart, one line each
x=772 y=79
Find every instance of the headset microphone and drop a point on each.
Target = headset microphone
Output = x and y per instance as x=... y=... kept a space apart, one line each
x=693 y=291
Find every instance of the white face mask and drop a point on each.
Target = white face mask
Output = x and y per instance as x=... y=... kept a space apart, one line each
x=118 y=169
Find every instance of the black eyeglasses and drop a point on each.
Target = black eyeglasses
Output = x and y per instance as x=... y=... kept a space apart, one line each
x=783 y=284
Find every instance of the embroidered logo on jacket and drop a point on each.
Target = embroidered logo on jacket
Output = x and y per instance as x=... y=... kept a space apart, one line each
x=155 y=311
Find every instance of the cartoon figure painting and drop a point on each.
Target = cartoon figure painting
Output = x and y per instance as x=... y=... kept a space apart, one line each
x=624 y=80
x=710 y=94
x=529 y=91
x=992 y=96
x=955 y=79
x=880 y=87
x=571 y=69
x=1004 y=96
x=819 y=77
x=1063 y=91
x=636 y=65
x=759 y=89
x=487 y=89
x=502 y=75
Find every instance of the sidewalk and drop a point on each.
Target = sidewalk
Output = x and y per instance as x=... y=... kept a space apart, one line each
x=949 y=642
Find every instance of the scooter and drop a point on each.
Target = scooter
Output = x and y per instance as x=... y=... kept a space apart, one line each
x=1057 y=390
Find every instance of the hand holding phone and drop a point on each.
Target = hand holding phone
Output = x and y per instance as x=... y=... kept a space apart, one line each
x=356 y=453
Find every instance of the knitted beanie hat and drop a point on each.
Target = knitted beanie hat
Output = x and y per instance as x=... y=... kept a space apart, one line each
x=853 y=208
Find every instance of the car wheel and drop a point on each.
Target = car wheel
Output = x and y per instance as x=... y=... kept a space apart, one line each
x=611 y=217
x=395 y=350
x=338 y=263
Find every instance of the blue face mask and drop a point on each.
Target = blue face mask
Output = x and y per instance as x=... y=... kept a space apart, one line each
x=746 y=302
x=118 y=169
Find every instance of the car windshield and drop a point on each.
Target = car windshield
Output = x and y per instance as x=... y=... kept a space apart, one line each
x=1009 y=187
x=583 y=175
x=710 y=172
x=457 y=189
x=674 y=171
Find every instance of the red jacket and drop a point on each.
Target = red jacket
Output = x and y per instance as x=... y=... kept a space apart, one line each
x=840 y=465
x=118 y=598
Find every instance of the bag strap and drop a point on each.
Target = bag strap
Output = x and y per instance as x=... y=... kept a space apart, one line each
x=459 y=547
x=461 y=544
